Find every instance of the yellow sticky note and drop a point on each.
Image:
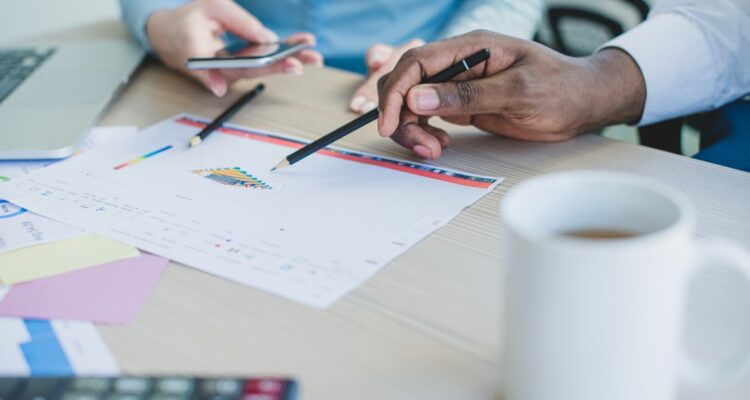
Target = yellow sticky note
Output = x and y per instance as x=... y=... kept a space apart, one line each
x=59 y=257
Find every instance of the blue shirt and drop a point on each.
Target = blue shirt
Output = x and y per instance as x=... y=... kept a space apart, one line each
x=345 y=29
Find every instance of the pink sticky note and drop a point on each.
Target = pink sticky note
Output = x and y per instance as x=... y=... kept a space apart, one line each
x=112 y=292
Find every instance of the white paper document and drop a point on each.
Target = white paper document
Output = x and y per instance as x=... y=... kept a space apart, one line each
x=21 y=228
x=311 y=232
x=53 y=348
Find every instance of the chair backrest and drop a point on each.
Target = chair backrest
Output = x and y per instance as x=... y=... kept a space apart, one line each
x=578 y=28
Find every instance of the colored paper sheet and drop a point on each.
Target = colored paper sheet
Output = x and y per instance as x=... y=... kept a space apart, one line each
x=55 y=258
x=53 y=348
x=111 y=293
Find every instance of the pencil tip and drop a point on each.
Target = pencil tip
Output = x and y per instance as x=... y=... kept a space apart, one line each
x=196 y=140
x=282 y=164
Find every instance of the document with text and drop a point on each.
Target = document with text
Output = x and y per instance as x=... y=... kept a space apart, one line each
x=311 y=232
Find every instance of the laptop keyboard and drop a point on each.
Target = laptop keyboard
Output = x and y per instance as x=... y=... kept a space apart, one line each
x=16 y=65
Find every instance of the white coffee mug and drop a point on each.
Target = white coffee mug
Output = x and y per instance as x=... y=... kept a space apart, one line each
x=591 y=318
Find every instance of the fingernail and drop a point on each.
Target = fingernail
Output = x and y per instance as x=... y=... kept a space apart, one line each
x=422 y=151
x=378 y=57
x=370 y=105
x=217 y=91
x=357 y=103
x=271 y=36
x=426 y=99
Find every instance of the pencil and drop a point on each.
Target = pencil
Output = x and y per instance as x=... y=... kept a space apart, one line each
x=226 y=115
x=442 y=76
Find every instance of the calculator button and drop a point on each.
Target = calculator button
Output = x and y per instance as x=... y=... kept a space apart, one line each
x=167 y=396
x=227 y=387
x=180 y=386
x=272 y=386
x=97 y=385
x=261 y=396
x=121 y=396
x=82 y=396
x=9 y=388
x=132 y=385
x=42 y=388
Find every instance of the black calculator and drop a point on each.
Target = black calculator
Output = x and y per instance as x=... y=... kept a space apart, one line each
x=147 y=388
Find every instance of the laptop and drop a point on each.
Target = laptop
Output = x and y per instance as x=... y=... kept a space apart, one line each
x=52 y=94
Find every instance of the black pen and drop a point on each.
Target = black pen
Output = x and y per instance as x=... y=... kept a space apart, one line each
x=226 y=115
x=442 y=76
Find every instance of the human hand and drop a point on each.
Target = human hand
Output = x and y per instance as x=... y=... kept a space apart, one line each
x=523 y=91
x=380 y=60
x=195 y=30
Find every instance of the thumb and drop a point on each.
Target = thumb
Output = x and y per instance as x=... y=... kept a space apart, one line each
x=237 y=20
x=454 y=98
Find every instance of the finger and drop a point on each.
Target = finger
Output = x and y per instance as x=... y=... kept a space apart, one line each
x=377 y=55
x=237 y=20
x=420 y=141
x=381 y=60
x=301 y=37
x=456 y=98
x=288 y=65
x=418 y=63
x=310 y=57
x=441 y=135
x=365 y=97
x=213 y=80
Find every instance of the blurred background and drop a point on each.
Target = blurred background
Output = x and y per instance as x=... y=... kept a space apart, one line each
x=574 y=27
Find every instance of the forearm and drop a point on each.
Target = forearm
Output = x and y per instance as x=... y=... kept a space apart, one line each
x=518 y=18
x=693 y=54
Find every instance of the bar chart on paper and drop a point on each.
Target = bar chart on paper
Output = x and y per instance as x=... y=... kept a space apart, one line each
x=310 y=233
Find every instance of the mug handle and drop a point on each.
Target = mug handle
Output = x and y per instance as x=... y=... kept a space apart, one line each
x=713 y=253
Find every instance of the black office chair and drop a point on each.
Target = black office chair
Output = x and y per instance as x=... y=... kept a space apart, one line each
x=575 y=31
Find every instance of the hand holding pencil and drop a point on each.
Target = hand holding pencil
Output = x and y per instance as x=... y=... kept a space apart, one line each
x=454 y=70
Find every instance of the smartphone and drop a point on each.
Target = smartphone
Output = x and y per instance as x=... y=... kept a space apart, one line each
x=252 y=56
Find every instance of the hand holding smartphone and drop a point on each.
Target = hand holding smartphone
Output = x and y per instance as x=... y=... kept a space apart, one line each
x=252 y=56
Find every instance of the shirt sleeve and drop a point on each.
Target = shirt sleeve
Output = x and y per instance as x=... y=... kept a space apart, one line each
x=694 y=56
x=519 y=18
x=135 y=13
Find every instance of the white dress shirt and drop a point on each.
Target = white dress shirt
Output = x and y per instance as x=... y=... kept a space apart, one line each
x=694 y=55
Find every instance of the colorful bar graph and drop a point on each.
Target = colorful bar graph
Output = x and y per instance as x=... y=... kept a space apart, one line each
x=232 y=177
x=143 y=157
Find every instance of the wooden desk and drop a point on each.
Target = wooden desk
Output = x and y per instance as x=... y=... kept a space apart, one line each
x=426 y=326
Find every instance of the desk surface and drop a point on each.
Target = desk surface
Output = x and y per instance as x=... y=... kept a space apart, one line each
x=426 y=326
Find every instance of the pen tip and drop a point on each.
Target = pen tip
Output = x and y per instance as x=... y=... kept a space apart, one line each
x=195 y=141
x=273 y=169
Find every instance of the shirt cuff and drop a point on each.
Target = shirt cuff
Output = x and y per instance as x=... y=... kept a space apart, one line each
x=675 y=60
x=137 y=12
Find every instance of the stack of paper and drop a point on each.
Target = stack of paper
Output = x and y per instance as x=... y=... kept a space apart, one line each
x=310 y=233
x=56 y=279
